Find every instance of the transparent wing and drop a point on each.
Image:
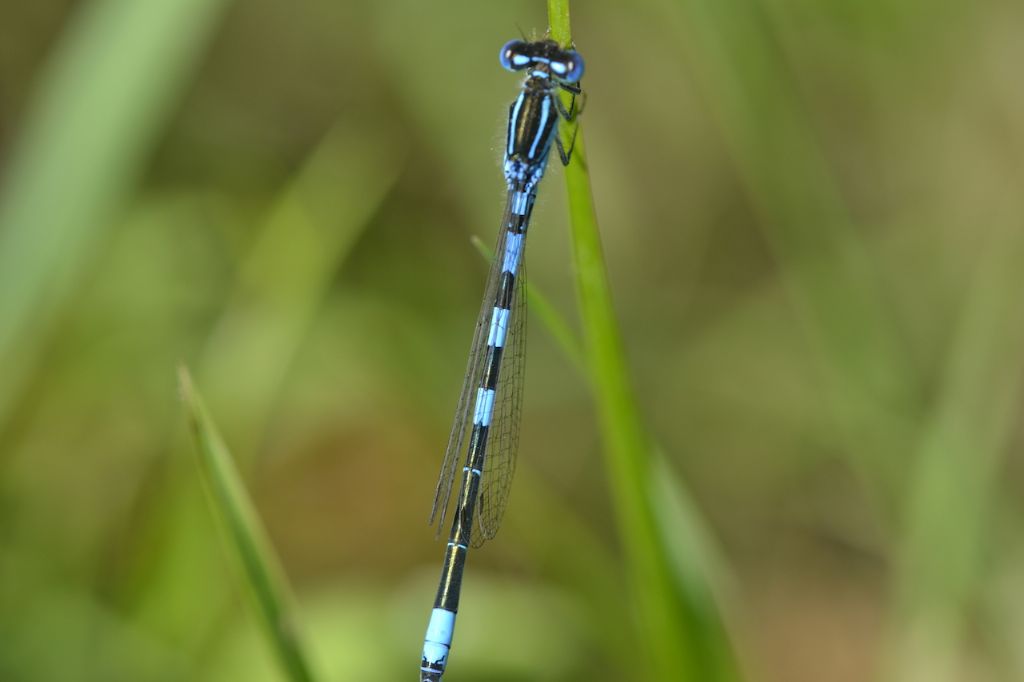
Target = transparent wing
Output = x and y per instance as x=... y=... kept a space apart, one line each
x=503 y=435
x=463 y=421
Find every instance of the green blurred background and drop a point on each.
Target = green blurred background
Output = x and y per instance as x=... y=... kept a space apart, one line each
x=812 y=216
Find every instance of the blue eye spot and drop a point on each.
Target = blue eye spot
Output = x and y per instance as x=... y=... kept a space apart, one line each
x=511 y=55
x=573 y=66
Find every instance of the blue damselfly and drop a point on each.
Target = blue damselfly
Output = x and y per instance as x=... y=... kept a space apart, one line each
x=489 y=407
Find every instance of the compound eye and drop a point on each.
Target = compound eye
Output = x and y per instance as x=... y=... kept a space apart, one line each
x=570 y=68
x=513 y=55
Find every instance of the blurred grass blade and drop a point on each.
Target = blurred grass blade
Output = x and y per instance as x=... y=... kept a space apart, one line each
x=951 y=497
x=829 y=273
x=246 y=536
x=283 y=280
x=699 y=565
x=286 y=274
x=686 y=637
x=97 y=113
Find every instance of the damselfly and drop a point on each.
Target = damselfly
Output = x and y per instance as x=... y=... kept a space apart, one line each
x=489 y=406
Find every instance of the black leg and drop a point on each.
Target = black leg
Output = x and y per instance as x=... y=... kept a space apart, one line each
x=564 y=155
x=573 y=111
x=567 y=114
x=578 y=106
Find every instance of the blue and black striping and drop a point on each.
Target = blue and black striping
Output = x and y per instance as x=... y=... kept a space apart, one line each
x=490 y=404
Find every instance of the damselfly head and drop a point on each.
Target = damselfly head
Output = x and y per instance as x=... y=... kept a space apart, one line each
x=546 y=56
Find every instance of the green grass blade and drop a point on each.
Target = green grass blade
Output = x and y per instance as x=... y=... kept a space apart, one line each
x=283 y=280
x=685 y=636
x=102 y=101
x=950 y=503
x=246 y=537
x=700 y=569
x=697 y=552
x=702 y=573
